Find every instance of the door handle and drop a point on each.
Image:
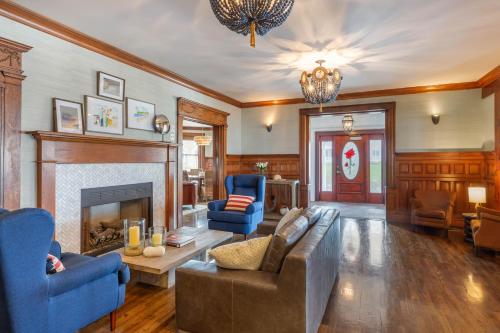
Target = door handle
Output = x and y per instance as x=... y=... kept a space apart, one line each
x=338 y=169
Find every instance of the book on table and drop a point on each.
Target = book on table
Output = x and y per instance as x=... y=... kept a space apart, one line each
x=179 y=240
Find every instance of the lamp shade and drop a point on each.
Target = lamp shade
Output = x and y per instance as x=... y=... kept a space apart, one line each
x=477 y=195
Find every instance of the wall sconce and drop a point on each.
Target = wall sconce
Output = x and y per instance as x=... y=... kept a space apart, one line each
x=269 y=127
x=435 y=119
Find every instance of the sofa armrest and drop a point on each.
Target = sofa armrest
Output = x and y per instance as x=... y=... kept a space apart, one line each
x=217 y=205
x=254 y=207
x=55 y=249
x=86 y=272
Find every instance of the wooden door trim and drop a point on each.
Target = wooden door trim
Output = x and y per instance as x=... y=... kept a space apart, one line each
x=187 y=109
x=389 y=108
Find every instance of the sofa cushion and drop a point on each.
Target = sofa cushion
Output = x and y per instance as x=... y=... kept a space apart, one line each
x=431 y=213
x=283 y=242
x=53 y=265
x=229 y=216
x=292 y=215
x=241 y=255
x=238 y=202
x=312 y=215
x=267 y=227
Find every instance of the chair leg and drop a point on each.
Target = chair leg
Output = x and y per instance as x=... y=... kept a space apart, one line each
x=445 y=233
x=246 y=237
x=112 y=321
x=476 y=251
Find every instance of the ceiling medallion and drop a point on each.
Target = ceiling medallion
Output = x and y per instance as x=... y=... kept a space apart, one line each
x=202 y=140
x=251 y=16
x=320 y=86
x=348 y=123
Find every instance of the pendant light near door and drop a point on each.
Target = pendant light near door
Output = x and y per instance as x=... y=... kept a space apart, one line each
x=348 y=123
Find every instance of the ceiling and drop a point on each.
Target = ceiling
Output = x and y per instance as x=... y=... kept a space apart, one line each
x=377 y=44
x=189 y=123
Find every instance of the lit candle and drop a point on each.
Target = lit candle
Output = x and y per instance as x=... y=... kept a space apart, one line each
x=134 y=235
x=156 y=239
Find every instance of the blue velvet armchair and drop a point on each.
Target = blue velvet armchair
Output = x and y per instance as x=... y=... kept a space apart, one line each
x=31 y=300
x=239 y=222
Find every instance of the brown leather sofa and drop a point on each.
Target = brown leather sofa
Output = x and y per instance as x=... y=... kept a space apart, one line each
x=432 y=208
x=486 y=230
x=216 y=300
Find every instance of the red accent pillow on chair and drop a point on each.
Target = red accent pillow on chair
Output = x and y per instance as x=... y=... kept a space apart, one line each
x=239 y=202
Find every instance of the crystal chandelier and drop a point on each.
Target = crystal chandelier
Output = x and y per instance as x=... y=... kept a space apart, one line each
x=251 y=16
x=320 y=86
x=348 y=123
x=202 y=140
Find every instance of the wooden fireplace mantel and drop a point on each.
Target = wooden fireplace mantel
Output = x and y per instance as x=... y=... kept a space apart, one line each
x=63 y=148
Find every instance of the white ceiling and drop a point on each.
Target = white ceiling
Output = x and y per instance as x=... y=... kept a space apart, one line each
x=189 y=123
x=377 y=44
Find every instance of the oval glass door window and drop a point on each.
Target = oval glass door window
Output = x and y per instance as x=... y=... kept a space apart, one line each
x=350 y=160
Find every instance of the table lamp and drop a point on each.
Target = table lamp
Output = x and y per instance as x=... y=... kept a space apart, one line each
x=477 y=195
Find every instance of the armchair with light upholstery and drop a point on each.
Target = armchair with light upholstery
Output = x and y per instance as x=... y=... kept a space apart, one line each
x=432 y=208
x=486 y=230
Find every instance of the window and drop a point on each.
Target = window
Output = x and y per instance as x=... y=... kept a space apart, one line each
x=375 y=166
x=327 y=166
x=190 y=155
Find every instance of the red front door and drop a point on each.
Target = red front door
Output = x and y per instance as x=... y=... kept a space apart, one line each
x=350 y=168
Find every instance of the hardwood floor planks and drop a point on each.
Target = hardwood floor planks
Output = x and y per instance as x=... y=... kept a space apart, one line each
x=391 y=280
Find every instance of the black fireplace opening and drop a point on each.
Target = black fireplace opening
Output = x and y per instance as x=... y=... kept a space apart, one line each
x=103 y=210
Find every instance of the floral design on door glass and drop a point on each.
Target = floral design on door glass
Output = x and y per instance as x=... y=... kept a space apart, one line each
x=350 y=160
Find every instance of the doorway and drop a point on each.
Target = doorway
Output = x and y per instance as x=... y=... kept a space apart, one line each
x=195 y=159
x=307 y=147
x=350 y=168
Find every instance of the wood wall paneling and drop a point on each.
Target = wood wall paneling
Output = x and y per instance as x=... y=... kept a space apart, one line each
x=11 y=77
x=439 y=171
x=54 y=148
x=285 y=165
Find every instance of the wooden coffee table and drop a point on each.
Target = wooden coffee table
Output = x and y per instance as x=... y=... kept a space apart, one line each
x=160 y=271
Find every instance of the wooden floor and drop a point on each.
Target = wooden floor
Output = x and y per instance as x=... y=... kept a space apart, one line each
x=391 y=280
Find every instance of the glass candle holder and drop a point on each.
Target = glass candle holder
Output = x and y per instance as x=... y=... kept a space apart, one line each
x=157 y=235
x=134 y=236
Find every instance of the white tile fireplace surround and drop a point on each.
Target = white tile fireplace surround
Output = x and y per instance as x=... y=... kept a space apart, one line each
x=72 y=178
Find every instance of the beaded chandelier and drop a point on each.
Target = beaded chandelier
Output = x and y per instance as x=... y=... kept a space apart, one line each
x=251 y=16
x=202 y=140
x=322 y=85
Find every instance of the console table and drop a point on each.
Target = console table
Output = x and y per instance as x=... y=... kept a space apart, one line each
x=280 y=193
x=468 y=217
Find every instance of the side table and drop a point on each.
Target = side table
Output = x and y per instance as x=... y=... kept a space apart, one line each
x=468 y=217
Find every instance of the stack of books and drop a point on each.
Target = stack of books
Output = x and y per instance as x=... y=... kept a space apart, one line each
x=179 y=240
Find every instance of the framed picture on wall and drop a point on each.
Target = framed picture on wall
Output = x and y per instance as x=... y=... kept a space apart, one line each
x=140 y=115
x=103 y=116
x=110 y=86
x=67 y=116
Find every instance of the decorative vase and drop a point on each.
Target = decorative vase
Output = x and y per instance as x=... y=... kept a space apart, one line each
x=284 y=210
x=262 y=172
x=134 y=236
x=157 y=236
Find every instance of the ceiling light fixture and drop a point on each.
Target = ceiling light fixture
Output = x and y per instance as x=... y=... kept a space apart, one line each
x=203 y=140
x=348 y=123
x=320 y=86
x=251 y=16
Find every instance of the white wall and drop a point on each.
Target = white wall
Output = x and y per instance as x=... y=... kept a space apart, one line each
x=467 y=123
x=56 y=68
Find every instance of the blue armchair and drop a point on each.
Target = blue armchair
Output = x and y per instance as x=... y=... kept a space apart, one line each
x=239 y=222
x=31 y=300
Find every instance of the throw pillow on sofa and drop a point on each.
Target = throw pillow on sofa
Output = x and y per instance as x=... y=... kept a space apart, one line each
x=283 y=242
x=246 y=255
x=53 y=265
x=292 y=215
x=239 y=203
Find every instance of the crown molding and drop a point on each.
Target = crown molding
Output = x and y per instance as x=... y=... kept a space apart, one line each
x=34 y=20
x=484 y=81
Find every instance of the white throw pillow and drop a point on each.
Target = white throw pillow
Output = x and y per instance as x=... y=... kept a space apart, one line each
x=290 y=216
x=242 y=255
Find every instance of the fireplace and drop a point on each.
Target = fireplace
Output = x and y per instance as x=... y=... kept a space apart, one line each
x=103 y=210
